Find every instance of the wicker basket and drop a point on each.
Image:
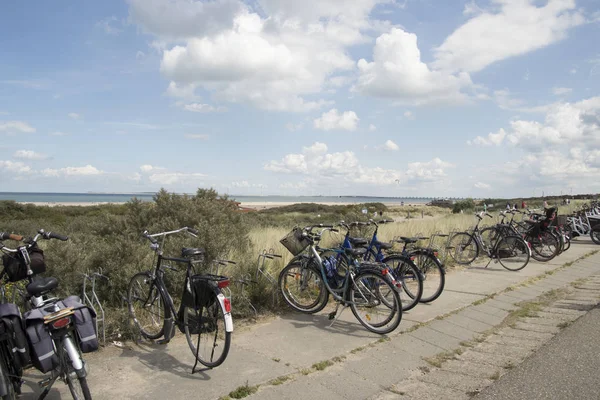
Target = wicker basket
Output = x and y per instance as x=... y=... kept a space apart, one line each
x=295 y=242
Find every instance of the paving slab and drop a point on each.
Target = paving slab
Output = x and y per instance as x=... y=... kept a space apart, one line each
x=453 y=380
x=469 y=323
x=423 y=391
x=436 y=338
x=478 y=370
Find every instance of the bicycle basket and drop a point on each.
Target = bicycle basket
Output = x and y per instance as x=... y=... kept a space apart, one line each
x=295 y=242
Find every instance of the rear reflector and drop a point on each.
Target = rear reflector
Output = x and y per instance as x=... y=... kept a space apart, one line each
x=223 y=284
x=227 y=304
x=61 y=323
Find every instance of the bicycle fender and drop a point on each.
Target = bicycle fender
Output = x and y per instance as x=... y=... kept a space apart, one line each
x=228 y=319
x=430 y=252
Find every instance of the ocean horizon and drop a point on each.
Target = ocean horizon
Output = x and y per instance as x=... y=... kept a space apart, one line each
x=39 y=197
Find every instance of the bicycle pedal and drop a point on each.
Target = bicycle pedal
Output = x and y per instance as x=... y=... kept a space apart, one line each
x=162 y=341
x=332 y=315
x=44 y=383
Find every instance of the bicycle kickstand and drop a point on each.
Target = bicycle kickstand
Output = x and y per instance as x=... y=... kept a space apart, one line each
x=334 y=314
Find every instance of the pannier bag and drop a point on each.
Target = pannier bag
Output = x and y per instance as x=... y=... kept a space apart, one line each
x=85 y=324
x=15 y=266
x=11 y=324
x=201 y=299
x=43 y=355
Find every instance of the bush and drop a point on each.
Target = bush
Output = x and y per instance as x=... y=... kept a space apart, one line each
x=463 y=205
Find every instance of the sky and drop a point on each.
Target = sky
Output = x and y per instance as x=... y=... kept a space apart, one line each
x=487 y=98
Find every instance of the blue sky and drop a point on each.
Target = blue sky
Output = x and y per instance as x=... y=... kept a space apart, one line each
x=331 y=97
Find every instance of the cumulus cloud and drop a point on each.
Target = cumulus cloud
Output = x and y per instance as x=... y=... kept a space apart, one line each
x=14 y=167
x=16 y=126
x=315 y=162
x=481 y=185
x=389 y=146
x=202 y=108
x=149 y=168
x=74 y=115
x=29 y=155
x=493 y=139
x=560 y=91
x=333 y=120
x=87 y=170
x=372 y=128
x=271 y=55
x=510 y=28
x=397 y=72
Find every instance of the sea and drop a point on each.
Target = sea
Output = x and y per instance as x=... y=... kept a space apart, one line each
x=32 y=197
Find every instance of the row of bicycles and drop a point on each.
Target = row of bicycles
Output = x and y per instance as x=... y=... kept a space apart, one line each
x=585 y=221
x=377 y=280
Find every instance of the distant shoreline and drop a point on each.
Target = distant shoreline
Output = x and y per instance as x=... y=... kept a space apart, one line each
x=255 y=205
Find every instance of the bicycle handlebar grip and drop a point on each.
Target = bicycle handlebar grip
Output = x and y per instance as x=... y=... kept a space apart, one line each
x=192 y=230
x=276 y=255
x=150 y=238
x=54 y=235
x=489 y=215
x=10 y=236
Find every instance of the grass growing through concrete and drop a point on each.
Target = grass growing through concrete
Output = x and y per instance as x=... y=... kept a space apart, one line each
x=242 y=391
x=320 y=366
x=280 y=380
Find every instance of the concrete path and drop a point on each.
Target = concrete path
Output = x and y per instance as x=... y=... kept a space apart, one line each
x=301 y=357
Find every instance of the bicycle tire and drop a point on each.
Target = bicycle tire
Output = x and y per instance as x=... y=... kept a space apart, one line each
x=289 y=279
x=567 y=242
x=210 y=321
x=154 y=320
x=595 y=234
x=512 y=252
x=365 y=293
x=11 y=395
x=433 y=274
x=408 y=274
x=545 y=239
x=461 y=242
x=490 y=235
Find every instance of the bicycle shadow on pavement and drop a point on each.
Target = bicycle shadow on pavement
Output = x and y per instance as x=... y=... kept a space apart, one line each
x=320 y=321
x=31 y=390
x=155 y=357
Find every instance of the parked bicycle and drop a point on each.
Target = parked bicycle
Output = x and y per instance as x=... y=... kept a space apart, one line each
x=58 y=331
x=367 y=288
x=510 y=250
x=204 y=315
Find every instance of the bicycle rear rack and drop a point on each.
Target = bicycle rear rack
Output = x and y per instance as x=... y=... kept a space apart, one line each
x=93 y=301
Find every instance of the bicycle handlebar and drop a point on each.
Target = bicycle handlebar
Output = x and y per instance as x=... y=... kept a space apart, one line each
x=10 y=236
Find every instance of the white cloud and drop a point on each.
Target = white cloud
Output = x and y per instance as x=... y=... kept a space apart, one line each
x=149 y=168
x=493 y=139
x=573 y=71
x=16 y=126
x=333 y=120
x=14 y=167
x=140 y=55
x=29 y=155
x=428 y=171
x=169 y=178
x=202 y=108
x=246 y=184
x=57 y=133
x=197 y=136
x=559 y=91
x=323 y=168
x=87 y=170
x=397 y=72
x=74 y=115
x=372 y=128
x=409 y=115
x=511 y=28
x=271 y=54
x=481 y=185
x=108 y=25
x=389 y=146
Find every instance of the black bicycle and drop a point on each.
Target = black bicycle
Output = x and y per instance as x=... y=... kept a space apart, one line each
x=204 y=315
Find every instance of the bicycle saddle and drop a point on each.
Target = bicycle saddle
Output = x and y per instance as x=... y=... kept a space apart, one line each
x=358 y=241
x=384 y=245
x=191 y=251
x=408 y=240
x=42 y=285
x=355 y=252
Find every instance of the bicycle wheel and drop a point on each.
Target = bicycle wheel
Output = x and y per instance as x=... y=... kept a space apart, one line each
x=512 y=252
x=544 y=246
x=432 y=273
x=146 y=306
x=408 y=274
x=567 y=240
x=595 y=234
x=365 y=297
x=490 y=236
x=205 y=333
x=78 y=385
x=10 y=389
x=302 y=288
x=464 y=249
